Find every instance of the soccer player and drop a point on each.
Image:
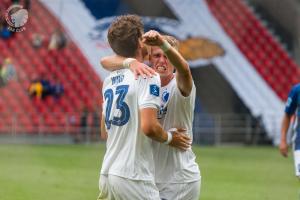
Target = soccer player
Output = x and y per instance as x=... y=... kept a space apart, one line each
x=129 y=121
x=177 y=175
x=292 y=104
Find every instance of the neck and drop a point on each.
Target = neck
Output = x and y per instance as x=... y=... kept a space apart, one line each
x=166 y=80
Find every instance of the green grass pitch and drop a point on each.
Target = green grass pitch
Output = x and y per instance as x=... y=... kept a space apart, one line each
x=70 y=172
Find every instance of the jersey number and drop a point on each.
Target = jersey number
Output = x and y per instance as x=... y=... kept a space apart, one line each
x=121 y=91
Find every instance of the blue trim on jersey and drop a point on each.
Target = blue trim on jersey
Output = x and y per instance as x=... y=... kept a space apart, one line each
x=293 y=101
x=165 y=96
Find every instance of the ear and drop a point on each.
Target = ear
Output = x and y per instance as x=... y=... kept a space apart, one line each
x=145 y=52
x=141 y=44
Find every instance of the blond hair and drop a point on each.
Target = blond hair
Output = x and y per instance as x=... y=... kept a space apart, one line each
x=172 y=41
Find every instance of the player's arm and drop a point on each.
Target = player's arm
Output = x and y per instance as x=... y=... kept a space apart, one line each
x=283 y=147
x=183 y=73
x=151 y=128
x=114 y=62
x=103 y=129
x=184 y=77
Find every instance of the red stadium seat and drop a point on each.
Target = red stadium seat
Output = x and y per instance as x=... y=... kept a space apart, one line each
x=68 y=66
x=256 y=42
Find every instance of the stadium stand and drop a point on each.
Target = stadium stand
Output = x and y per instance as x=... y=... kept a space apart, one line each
x=79 y=30
x=248 y=81
x=258 y=96
x=69 y=66
x=257 y=43
x=254 y=64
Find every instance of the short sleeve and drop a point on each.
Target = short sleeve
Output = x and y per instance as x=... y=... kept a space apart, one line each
x=149 y=92
x=191 y=95
x=291 y=103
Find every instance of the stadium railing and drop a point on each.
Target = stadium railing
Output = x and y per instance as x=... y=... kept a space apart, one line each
x=212 y=129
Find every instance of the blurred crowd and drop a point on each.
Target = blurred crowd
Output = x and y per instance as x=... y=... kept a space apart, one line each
x=58 y=40
x=7 y=72
x=41 y=88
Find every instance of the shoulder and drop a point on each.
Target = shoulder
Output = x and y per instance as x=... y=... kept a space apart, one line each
x=295 y=89
x=152 y=85
x=150 y=80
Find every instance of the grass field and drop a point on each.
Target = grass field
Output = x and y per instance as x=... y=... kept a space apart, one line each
x=70 y=172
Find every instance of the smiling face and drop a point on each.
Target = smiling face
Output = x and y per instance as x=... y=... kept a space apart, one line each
x=160 y=62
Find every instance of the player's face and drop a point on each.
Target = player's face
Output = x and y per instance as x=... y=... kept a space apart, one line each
x=160 y=62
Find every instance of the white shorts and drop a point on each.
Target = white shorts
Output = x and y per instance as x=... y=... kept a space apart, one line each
x=119 y=188
x=297 y=162
x=179 y=191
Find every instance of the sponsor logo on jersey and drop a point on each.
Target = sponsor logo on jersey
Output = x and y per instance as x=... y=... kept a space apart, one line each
x=165 y=96
x=154 y=90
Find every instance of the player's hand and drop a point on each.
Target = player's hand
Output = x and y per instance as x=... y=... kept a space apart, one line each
x=180 y=139
x=283 y=148
x=141 y=69
x=153 y=38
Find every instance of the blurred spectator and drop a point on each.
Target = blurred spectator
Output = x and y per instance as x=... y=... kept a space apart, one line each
x=42 y=87
x=46 y=87
x=7 y=71
x=71 y=119
x=96 y=123
x=37 y=40
x=84 y=123
x=36 y=89
x=81 y=134
x=1 y=81
x=4 y=32
x=57 y=90
x=58 y=40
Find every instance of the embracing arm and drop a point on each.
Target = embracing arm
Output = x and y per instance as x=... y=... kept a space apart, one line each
x=283 y=147
x=114 y=62
x=152 y=129
x=184 y=77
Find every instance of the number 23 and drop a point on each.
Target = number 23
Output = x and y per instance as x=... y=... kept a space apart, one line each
x=121 y=91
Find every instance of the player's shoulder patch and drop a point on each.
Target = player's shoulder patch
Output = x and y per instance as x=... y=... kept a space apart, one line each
x=154 y=90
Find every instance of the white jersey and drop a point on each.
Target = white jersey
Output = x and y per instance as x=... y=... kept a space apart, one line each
x=128 y=151
x=173 y=165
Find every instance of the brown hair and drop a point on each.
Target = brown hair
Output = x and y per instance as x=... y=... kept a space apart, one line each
x=124 y=34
